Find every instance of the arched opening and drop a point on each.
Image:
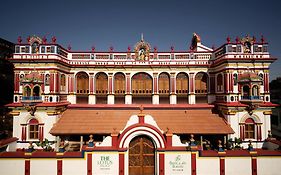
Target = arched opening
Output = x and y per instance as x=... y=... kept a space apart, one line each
x=82 y=87
x=35 y=47
x=101 y=88
x=246 y=92
x=235 y=79
x=201 y=86
x=47 y=80
x=36 y=93
x=141 y=156
x=142 y=88
x=182 y=88
x=164 y=88
x=261 y=77
x=119 y=88
x=27 y=91
x=62 y=82
x=255 y=92
x=219 y=83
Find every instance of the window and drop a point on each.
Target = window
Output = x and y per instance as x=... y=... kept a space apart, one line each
x=261 y=77
x=62 y=82
x=249 y=129
x=47 y=80
x=33 y=129
x=235 y=79
x=219 y=83
x=35 y=47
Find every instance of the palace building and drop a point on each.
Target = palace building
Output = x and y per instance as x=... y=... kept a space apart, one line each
x=142 y=110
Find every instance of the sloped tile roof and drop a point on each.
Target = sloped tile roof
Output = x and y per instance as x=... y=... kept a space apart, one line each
x=99 y=121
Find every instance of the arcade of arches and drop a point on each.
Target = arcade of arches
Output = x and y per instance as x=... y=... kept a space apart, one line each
x=142 y=86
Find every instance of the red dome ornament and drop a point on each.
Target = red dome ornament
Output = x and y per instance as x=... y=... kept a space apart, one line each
x=19 y=40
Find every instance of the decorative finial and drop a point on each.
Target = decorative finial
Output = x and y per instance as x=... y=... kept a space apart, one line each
x=93 y=48
x=129 y=48
x=141 y=109
x=28 y=39
x=54 y=39
x=262 y=39
x=155 y=49
x=69 y=47
x=228 y=39
x=142 y=37
x=111 y=48
x=44 y=40
x=19 y=40
x=237 y=39
x=172 y=48
x=254 y=39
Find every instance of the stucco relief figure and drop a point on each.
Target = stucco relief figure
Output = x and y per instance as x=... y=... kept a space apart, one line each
x=142 y=54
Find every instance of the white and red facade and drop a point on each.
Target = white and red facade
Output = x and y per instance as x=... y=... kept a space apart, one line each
x=232 y=80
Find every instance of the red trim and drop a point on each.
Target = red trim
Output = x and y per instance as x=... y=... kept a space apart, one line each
x=259 y=132
x=254 y=166
x=27 y=167
x=52 y=82
x=222 y=166
x=43 y=84
x=141 y=119
x=121 y=136
x=59 y=167
x=140 y=125
x=57 y=81
x=23 y=135
x=89 y=164
x=193 y=163
x=7 y=141
x=16 y=83
x=155 y=83
x=191 y=80
x=128 y=83
x=121 y=164
x=161 y=164
x=226 y=83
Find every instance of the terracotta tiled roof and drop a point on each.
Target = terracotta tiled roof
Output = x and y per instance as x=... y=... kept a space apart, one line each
x=97 y=121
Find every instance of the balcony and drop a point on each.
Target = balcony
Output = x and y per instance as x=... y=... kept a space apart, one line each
x=31 y=99
x=251 y=99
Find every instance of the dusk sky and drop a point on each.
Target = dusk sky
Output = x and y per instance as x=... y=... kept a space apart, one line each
x=164 y=23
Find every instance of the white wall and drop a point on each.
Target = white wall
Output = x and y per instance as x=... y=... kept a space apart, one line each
x=238 y=165
x=74 y=166
x=208 y=165
x=11 y=166
x=43 y=166
x=269 y=165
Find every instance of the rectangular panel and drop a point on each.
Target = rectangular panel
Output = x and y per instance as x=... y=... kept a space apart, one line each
x=37 y=166
x=177 y=163
x=105 y=163
x=7 y=166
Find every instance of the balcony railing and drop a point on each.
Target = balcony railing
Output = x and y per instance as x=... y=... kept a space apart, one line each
x=250 y=98
x=31 y=99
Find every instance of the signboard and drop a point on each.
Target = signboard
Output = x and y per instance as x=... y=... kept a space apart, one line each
x=177 y=164
x=105 y=164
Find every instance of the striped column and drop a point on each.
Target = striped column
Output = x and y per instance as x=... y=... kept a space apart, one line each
x=193 y=163
x=89 y=164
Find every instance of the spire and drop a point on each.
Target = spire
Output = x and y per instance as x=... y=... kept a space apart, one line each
x=141 y=36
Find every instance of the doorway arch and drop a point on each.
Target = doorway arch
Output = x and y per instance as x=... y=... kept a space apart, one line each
x=141 y=156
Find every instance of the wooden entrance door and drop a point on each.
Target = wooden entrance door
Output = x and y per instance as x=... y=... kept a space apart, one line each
x=141 y=156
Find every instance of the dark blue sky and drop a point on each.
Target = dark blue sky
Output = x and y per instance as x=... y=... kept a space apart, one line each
x=164 y=23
